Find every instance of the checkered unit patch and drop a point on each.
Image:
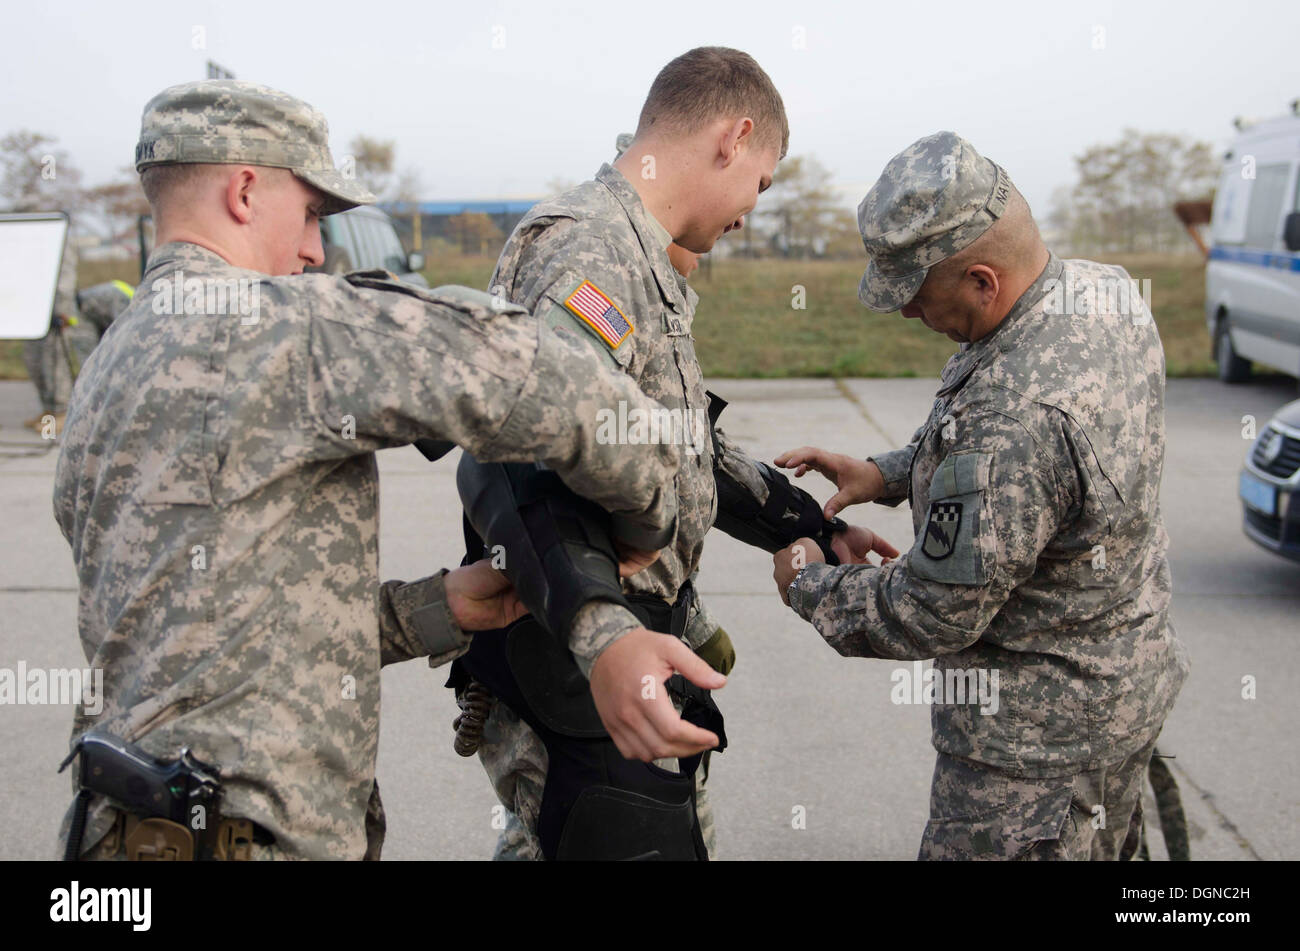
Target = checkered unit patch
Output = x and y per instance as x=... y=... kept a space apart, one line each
x=941 y=529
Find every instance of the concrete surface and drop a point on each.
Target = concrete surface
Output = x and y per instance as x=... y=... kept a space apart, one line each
x=808 y=728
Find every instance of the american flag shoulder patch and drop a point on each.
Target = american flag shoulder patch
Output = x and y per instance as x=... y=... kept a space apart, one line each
x=598 y=312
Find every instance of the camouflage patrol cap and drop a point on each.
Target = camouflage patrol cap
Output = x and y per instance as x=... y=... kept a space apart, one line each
x=622 y=143
x=933 y=199
x=228 y=122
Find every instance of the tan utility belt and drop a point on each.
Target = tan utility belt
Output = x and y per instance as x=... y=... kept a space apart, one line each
x=161 y=840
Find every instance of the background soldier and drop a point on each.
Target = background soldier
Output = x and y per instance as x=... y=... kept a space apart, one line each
x=1040 y=550
x=97 y=307
x=46 y=359
x=593 y=263
x=101 y=304
x=218 y=482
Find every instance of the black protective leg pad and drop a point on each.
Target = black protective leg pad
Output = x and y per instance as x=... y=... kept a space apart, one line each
x=557 y=547
x=609 y=824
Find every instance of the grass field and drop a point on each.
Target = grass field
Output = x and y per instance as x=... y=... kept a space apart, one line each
x=747 y=327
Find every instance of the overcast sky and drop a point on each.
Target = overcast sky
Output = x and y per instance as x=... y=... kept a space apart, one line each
x=1030 y=84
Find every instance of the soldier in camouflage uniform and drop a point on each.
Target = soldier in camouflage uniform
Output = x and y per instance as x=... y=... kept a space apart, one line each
x=218 y=483
x=1040 y=553
x=46 y=359
x=604 y=242
x=101 y=304
x=97 y=307
x=704 y=635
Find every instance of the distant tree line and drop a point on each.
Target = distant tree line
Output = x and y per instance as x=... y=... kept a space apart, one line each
x=1125 y=193
x=37 y=175
x=1122 y=199
x=800 y=216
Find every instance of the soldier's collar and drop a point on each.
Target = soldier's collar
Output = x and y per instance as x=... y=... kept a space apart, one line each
x=1036 y=291
x=660 y=232
x=1005 y=335
x=180 y=254
x=653 y=236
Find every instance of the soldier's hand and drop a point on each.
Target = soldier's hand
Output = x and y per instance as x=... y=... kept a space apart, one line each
x=854 y=544
x=857 y=479
x=627 y=683
x=787 y=562
x=481 y=598
x=632 y=560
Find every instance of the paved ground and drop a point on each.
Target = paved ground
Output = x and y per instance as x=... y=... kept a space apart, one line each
x=808 y=728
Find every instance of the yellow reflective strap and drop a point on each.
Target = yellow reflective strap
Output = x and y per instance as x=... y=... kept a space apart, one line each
x=125 y=288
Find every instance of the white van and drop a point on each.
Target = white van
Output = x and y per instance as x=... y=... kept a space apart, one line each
x=1252 y=279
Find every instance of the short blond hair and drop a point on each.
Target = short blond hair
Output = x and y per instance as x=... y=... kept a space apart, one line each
x=162 y=184
x=715 y=82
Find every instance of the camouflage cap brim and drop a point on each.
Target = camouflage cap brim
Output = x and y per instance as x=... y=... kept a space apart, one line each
x=340 y=193
x=888 y=294
x=229 y=121
x=934 y=199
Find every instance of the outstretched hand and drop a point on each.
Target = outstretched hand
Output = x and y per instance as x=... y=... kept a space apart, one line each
x=857 y=480
x=853 y=545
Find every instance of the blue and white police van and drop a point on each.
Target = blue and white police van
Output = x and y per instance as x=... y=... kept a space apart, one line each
x=1252 y=279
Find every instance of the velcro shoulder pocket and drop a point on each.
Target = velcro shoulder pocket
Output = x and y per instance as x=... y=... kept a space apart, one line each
x=466 y=299
x=474 y=302
x=955 y=543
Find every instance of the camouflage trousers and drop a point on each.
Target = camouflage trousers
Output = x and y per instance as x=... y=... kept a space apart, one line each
x=515 y=759
x=47 y=364
x=978 y=812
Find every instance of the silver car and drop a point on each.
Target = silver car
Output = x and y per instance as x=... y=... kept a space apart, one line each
x=1269 y=485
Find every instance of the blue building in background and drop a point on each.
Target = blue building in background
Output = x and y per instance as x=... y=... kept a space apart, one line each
x=459 y=222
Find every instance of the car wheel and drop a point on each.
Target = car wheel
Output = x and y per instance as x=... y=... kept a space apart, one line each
x=1232 y=367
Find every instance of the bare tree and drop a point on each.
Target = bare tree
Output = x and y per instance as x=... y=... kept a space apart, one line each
x=1126 y=190
x=409 y=187
x=801 y=209
x=117 y=204
x=372 y=161
x=37 y=175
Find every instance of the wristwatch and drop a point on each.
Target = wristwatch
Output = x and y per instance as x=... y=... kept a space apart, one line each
x=794 y=585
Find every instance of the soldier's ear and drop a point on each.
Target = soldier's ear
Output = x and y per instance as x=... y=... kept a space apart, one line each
x=239 y=187
x=983 y=282
x=736 y=137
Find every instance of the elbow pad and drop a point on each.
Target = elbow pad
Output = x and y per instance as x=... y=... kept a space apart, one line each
x=789 y=514
x=557 y=545
x=625 y=528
